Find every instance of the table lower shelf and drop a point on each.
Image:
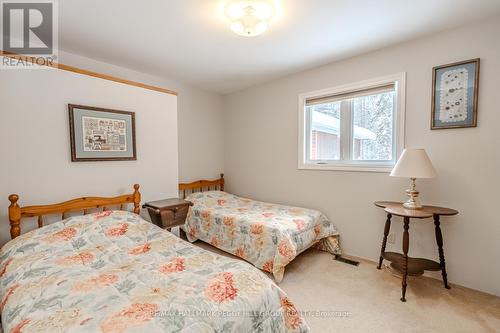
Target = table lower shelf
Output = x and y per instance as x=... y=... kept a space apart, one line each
x=416 y=266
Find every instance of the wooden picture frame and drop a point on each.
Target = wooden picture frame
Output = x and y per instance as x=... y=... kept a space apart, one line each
x=455 y=93
x=98 y=134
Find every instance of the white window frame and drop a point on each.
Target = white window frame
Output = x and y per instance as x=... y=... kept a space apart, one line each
x=399 y=80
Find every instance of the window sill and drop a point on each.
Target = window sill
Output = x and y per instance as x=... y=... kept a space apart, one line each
x=347 y=167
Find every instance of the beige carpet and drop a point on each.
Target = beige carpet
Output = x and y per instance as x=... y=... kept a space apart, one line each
x=315 y=282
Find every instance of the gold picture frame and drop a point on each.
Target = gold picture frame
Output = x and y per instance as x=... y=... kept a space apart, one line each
x=455 y=94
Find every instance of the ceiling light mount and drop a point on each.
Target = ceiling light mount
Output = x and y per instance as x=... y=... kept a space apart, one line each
x=249 y=18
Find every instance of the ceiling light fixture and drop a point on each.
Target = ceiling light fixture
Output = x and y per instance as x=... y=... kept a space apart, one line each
x=249 y=18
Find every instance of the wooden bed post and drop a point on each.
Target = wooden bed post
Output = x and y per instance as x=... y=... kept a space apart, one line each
x=14 y=216
x=137 y=199
x=201 y=185
x=16 y=213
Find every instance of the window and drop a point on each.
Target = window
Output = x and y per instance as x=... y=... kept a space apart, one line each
x=354 y=127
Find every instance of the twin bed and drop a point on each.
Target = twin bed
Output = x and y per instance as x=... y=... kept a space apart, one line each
x=112 y=271
x=265 y=234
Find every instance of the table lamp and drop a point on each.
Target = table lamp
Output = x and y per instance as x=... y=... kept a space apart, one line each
x=413 y=164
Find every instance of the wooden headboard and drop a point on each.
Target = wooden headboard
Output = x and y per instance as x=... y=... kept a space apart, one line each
x=201 y=185
x=16 y=213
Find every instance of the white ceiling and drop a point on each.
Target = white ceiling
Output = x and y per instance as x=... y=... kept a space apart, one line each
x=187 y=40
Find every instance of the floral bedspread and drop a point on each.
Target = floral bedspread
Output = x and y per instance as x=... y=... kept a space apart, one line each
x=115 y=272
x=265 y=234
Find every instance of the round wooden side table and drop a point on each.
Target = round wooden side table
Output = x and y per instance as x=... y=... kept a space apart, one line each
x=400 y=261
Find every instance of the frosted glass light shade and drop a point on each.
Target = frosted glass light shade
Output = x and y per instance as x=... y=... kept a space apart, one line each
x=414 y=163
x=249 y=18
x=248 y=26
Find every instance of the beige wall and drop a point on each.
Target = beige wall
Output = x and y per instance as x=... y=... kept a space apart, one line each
x=34 y=131
x=200 y=118
x=261 y=154
x=193 y=148
x=201 y=135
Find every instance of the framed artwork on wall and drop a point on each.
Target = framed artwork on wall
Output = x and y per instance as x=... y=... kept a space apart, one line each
x=98 y=134
x=455 y=90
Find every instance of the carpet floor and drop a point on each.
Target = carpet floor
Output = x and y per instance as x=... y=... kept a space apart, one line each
x=337 y=297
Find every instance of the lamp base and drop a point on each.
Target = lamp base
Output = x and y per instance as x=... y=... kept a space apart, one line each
x=412 y=193
x=412 y=205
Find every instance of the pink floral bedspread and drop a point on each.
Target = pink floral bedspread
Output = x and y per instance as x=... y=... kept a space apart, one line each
x=265 y=234
x=115 y=272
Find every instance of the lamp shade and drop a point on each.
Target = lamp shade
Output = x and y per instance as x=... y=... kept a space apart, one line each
x=414 y=163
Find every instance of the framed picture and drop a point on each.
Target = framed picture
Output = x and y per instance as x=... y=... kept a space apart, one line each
x=455 y=94
x=99 y=134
